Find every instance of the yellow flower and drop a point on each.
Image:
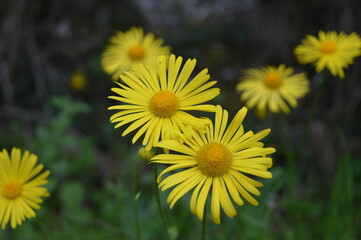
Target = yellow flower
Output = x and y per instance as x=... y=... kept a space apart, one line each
x=155 y=100
x=21 y=186
x=77 y=81
x=145 y=154
x=272 y=87
x=130 y=48
x=219 y=162
x=330 y=50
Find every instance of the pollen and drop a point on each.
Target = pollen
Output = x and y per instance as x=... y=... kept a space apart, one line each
x=164 y=104
x=214 y=159
x=273 y=80
x=328 y=47
x=136 y=52
x=11 y=189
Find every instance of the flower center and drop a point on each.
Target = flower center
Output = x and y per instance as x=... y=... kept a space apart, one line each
x=136 y=52
x=272 y=80
x=164 y=104
x=328 y=47
x=214 y=159
x=11 y=189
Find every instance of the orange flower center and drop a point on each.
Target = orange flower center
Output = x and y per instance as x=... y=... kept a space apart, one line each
x=11 y=189
x=136 y=52
x=164 y=104
x=214 y=159
x=272 y=80
x=328 y=47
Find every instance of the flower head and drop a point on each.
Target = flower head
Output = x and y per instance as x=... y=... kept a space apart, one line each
x=145 y=154
x=78 y=80
x=220 y=162
x=330 y=50
x=272 y=87
x=155 y=100
x=130 y=48
x=21 y=188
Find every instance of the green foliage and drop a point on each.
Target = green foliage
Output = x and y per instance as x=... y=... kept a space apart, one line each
x=84 y=204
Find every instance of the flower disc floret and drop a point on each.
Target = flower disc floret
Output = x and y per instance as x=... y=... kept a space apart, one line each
x=136 y=52
x=164 y=104
x=11 y=189
x=273 y=80
x=214 y=159
x=328 y=47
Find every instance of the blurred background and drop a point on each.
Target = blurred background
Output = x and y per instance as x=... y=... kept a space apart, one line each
x=45 y=46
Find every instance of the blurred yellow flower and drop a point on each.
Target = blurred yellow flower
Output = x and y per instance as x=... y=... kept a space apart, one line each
x=155 y=100
x=145 y=154
x=77 y=81
x=219 y=162
x=272 y=87
x=331 y=50
x=127 y=49
x=21 y=185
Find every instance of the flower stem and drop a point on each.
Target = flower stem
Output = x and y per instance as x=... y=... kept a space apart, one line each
x=290 y=155
x=314 y=105
x=135 y=200
x=160 y=209
x=204 y=224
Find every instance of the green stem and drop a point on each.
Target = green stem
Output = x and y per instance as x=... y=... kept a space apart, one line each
x=314 y=105
x=290 y=156
x=135 y=200
x=160 y=209
x=204 y=224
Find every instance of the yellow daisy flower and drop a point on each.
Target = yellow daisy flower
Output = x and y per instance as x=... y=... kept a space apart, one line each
x=130 y=48
x=330 y=50
x=78 y=80
x=272 y=86
x=21 y=186
x=220 y=161
x=155 y=100
x=145 y=154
